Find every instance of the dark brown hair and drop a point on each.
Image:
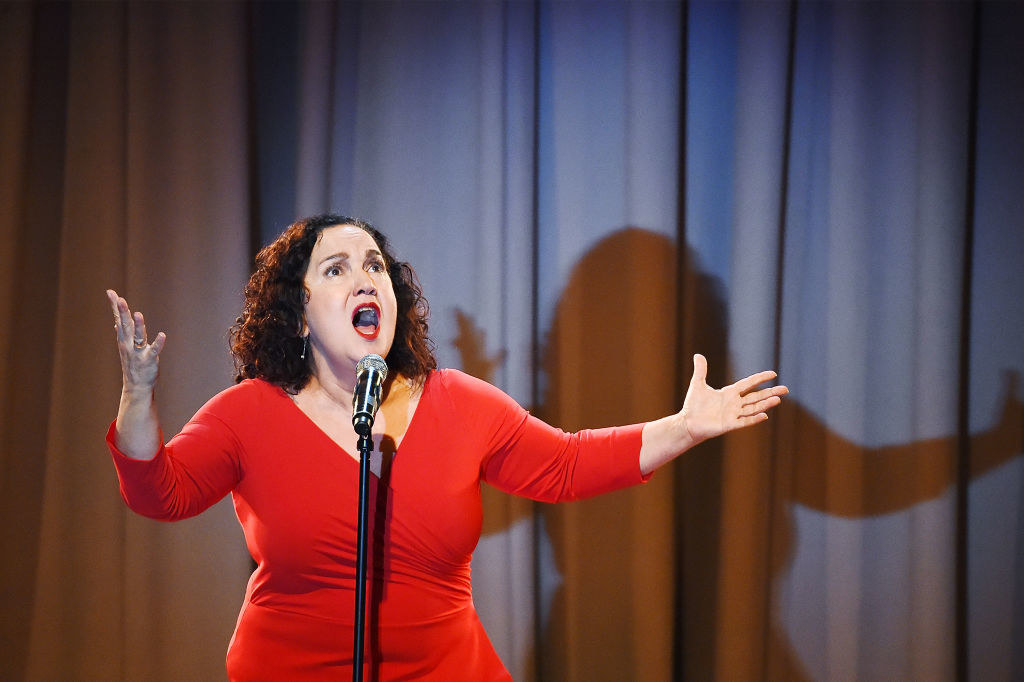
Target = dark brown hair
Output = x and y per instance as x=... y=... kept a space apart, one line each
x=266 y=339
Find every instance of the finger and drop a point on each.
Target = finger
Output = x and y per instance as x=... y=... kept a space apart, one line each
x=756 y=396
x=139 y=337
x=115 y=305
x=700 y=368
x=158 y=343
x=751 y=420
x=762 y=405
x=123 y=321
x=112 y=297
x=744 y=385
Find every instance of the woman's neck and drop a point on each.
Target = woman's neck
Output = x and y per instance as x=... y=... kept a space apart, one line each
x=325 y=388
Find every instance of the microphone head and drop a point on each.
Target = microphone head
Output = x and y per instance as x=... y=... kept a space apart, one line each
x=375 y=362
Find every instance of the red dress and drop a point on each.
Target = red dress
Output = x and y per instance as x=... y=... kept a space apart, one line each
x=295 y=492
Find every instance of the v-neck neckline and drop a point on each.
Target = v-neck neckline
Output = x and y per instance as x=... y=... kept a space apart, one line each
x=348 y=455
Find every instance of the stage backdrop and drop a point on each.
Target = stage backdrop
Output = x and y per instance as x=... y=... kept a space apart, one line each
x=591 y=192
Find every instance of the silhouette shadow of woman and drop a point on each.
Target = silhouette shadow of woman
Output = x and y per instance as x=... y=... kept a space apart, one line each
x=649 y=584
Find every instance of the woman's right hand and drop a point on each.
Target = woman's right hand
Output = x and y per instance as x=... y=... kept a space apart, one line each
x=138 y=426
x=140 y=360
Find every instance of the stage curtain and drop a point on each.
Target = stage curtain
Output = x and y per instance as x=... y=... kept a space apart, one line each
x=591 y=192
x=130 y=174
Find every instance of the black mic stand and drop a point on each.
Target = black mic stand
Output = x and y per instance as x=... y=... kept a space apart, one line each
x=365 y=447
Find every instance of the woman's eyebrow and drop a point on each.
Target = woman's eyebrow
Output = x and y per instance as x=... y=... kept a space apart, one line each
x=334 y=256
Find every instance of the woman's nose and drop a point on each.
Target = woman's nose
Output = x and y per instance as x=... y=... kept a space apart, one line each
x=363 y=284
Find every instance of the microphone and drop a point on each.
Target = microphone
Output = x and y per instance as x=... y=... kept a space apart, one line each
x=371 y=372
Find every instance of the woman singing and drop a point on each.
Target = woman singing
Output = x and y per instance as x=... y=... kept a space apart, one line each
x=325 y=294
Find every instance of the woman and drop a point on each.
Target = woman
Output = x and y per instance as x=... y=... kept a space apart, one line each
x=325 y=294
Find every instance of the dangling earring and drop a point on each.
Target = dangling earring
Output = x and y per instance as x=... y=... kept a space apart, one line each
x=305 y=344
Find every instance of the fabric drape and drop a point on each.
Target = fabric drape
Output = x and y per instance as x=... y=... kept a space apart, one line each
x=590 y=192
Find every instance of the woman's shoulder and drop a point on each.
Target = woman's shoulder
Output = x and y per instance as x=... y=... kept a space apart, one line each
x=456 y=380
x=243 y=398
x=459 y=385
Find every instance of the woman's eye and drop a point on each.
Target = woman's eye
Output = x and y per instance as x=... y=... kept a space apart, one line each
x=333 y=271
x=376 y=266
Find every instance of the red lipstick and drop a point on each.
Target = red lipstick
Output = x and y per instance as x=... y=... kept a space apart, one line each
x=366 y=320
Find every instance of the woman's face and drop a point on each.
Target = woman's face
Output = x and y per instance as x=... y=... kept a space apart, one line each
x=351 y=310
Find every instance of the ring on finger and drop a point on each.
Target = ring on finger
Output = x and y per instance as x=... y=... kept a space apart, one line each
x=140 y=343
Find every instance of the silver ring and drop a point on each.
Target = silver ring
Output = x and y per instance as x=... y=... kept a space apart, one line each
x=139 y=343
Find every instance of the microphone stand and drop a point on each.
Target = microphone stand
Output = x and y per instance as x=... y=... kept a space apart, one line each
x=365 y=447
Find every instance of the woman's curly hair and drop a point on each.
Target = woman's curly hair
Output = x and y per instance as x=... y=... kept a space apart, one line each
x=266 y=339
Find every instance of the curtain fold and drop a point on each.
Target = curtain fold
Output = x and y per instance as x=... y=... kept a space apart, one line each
x=591 y=192
x=35 y=78
x=134 y=181
x=995 y=399
x=871 y=303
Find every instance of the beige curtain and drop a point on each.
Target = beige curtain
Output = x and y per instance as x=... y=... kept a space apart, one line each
x=125 y=167
x=591 y=192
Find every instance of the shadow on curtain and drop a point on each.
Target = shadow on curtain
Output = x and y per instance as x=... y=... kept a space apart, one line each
x=145 y=145
x=594 y=619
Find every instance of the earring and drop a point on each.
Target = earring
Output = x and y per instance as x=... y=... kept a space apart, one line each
x=305 y=344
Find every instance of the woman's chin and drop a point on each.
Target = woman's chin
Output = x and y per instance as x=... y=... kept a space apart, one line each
x=378 y=345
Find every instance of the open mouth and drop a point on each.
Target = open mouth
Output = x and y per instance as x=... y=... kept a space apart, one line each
x=366 y=320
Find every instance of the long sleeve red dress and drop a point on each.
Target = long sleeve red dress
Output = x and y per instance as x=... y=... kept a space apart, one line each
x=295 y=491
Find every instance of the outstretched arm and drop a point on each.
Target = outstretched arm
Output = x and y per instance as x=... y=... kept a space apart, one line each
x=138 y=427
x=707 y=412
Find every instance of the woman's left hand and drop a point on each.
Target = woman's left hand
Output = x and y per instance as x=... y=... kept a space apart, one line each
x=708 y=412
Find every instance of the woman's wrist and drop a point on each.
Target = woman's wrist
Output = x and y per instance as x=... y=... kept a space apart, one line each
x=136 y=394
x=662 y=441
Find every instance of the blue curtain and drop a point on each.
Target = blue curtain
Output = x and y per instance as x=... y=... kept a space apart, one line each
x=590 y=192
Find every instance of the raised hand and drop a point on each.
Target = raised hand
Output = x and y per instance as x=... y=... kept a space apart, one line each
x=708 y=412
x=138 y=427
x=140 y=360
